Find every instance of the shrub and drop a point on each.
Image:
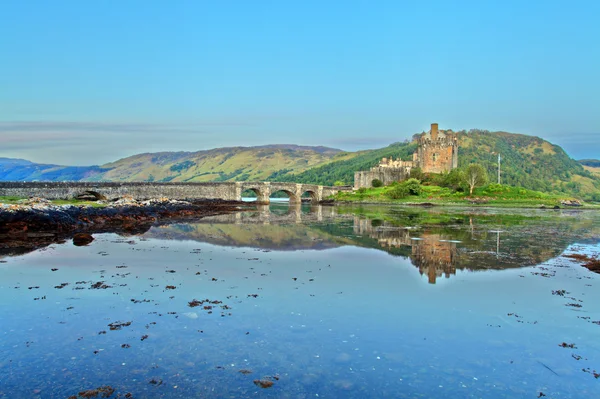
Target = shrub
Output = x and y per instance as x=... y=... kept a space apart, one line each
x=416 y=173
x=397 y=192
x=413 y=186
x=362 y=190
x=376 y=183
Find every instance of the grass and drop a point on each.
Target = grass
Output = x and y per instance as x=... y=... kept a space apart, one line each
x=15 y=200
x=491 y=195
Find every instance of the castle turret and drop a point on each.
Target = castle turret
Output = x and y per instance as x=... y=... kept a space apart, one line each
x=434 y=131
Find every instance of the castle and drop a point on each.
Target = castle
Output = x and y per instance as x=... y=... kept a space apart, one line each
x=437 y=152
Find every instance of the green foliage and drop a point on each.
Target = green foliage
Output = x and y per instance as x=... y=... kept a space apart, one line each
x=339 y=183
x=227 y=176
x=376 y=183
x=276 y=176
x=182 y=166
x=417 y=173
x=397 y=191
x=362 y=190
x=413 y=186
x=453 y=180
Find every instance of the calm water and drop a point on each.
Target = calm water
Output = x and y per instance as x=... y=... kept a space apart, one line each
x=324 y=302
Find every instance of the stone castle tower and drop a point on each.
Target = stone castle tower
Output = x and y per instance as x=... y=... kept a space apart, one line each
x=437 y=151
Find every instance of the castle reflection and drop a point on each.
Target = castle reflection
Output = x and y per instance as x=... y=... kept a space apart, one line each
x=432 y=253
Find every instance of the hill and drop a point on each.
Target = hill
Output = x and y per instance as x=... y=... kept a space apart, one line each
x=591 y=165
x=594 y=163
x=21 y=170
x=220 y=164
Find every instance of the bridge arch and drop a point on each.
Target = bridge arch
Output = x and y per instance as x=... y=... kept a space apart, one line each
x=293 y=197
x=262 y=195
x=314 y=196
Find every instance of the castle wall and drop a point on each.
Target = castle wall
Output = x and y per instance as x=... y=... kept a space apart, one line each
x=386 y=175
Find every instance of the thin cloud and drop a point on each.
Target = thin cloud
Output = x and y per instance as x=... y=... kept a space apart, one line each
x=365 y=142
x=53 y=126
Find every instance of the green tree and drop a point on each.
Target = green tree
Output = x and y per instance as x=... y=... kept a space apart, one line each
x=475 y=176
x=339 y=183
x=376 y=183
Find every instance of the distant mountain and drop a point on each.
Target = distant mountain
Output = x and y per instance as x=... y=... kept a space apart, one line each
x=594 y=163
x=14 y=161
x=220 y=164
x=12 y=169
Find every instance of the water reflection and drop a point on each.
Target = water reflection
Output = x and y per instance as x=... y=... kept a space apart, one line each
x=438 y=242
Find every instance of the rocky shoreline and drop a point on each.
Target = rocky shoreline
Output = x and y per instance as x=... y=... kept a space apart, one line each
x=37 y=222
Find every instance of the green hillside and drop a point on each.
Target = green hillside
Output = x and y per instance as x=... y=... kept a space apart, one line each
x=527 y=161
x=221 y=164
x=342 y=170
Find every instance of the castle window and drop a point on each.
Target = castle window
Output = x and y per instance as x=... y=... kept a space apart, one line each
x=435 y=157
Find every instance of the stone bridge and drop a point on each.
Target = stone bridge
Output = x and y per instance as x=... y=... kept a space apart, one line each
x=188 y=191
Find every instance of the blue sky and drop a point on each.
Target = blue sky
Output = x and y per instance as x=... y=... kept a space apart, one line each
x=85 y=82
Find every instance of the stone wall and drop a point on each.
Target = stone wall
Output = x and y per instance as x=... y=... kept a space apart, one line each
x=386 y=175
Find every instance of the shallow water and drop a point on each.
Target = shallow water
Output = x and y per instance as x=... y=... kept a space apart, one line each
x=338 y=302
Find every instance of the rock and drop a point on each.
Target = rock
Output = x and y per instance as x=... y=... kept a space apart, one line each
x=125 y=200
x=82 y=239
x=477 y=200
x=90 y=196
x=571 y=203
x=327 y=202
x=263 y=383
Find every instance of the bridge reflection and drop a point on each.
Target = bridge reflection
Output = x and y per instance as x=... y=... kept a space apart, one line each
x=278 y=214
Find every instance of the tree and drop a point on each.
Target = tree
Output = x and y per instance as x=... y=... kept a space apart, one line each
x=475 y=176
x=376 y=183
